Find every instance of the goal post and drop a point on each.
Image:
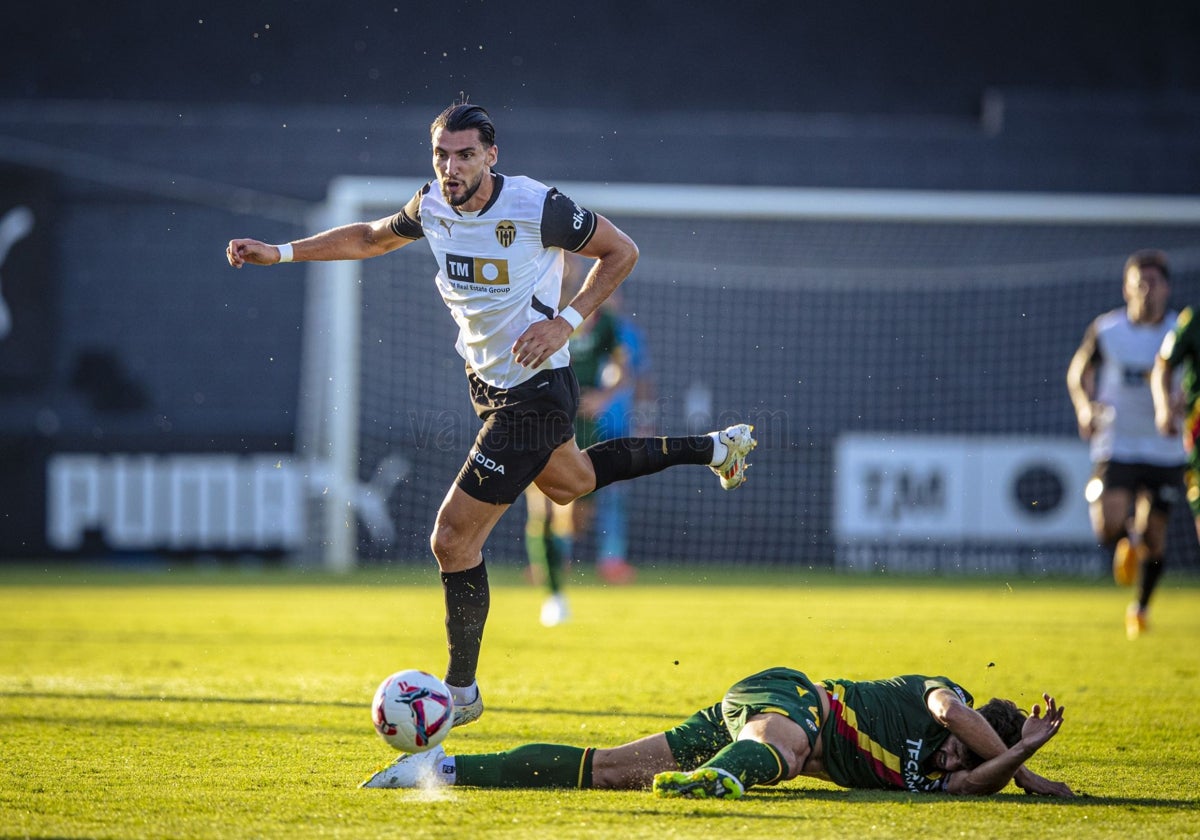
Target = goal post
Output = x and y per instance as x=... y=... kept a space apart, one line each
x=843 y=312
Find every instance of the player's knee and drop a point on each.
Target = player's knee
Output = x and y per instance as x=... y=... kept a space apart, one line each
x=565 y=494
x=791 y=758
x=566 y=486
x=569 y=476
x=783 y=735
x=448 y=545
x=438 y=543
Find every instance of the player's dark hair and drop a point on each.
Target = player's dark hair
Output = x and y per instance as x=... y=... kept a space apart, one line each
x=1148 y=258
x=1003 y=716
x=463 y=116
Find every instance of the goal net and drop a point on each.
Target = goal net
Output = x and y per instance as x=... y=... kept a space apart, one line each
x=902 y=356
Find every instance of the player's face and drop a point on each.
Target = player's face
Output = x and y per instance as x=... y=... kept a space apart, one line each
x=950 y=756
x=461 y=162
x=1146 y=294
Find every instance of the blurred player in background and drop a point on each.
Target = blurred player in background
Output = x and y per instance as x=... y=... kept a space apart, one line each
x=1177 y=409
x=499 y=242
x=601 y=362
x=631 y=412
x=913 y=733
x=1137 y=472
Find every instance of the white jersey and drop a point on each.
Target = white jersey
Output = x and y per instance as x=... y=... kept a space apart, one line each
x=1124 y=353
x=500 y=269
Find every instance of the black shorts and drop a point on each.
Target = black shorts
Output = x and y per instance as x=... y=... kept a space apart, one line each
x=522 y=427
x=1163 y=484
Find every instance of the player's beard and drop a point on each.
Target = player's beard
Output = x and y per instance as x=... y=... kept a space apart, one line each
x=467 y=194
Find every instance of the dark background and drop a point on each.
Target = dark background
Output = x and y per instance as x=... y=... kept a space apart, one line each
x=848 y=57
x=149 y=134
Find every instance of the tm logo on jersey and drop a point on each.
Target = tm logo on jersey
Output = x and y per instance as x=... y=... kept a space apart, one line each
x=479 y=271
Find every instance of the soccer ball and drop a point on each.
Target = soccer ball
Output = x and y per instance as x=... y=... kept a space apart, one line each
x=413 y=711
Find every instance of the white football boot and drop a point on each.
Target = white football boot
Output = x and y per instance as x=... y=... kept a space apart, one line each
x=555 y=610
x=465 y=713
x=410 y=770
x=738 y=441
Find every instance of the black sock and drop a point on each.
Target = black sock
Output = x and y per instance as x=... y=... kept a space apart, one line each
x=622 y=458
x=467 y=601
x=1152 y=569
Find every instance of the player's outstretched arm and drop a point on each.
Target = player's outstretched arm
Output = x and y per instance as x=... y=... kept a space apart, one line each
x=615 y=255
x=1081 y=383
x=349 y=242
x=1165 y=417
x=1036 y=785
x=995 y=773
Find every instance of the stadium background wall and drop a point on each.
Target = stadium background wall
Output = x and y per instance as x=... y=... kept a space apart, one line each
x=219 y=122
x=927 y=336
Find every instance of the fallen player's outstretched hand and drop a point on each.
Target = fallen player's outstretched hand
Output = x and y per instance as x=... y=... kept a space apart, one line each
x=1039 y=729
x=1036 y=785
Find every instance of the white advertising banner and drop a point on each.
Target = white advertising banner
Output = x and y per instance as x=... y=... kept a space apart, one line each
x=180 y=502
x=961 y=489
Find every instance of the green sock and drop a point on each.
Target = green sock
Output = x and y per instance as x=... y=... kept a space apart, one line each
x=528 y=766
x=539 y=550
x=753 y=762
x=555 y=560
x=561 y=548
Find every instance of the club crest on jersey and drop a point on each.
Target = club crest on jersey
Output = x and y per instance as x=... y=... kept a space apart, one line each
x=506 y=233
x=479 y=271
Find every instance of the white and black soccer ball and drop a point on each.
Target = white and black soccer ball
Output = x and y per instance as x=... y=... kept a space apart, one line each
x=413 y=711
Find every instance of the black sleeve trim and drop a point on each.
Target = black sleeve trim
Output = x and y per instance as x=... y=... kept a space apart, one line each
x=565 y=224
x=407 y=222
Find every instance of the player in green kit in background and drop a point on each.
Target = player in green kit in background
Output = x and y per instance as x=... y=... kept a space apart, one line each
x=915 y=733
x=601 y=363
x=1177 y=412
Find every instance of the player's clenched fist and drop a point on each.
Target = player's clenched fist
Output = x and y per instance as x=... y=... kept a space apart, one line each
x=242 y=251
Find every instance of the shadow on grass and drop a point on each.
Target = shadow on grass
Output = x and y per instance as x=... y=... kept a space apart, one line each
x=743 y=809
x=1012 y=798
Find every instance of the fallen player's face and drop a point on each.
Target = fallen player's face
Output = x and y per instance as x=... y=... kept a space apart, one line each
x=460 y=160
x=950 y=756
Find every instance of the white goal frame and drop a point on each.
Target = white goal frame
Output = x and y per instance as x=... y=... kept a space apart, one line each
x=327 y=425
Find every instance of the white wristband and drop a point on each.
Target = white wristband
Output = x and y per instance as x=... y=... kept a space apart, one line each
x=571 y=316
x=285 y=252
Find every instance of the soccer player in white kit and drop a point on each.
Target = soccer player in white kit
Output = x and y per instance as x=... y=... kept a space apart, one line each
x=1138 y=472
x=499 y=242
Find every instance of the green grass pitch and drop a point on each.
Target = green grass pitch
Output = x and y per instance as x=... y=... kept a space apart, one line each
x=235 y=704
